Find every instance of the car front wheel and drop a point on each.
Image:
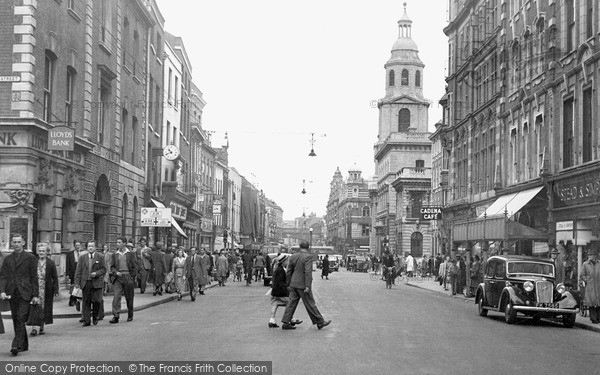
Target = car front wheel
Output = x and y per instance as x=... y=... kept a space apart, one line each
x=510 y=314
x=480 y=309
x=568 y=320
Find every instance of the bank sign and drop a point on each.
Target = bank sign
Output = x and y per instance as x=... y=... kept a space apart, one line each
x=431 y=213
x=61 y=138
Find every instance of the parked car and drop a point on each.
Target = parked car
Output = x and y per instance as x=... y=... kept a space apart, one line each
x=517 y=284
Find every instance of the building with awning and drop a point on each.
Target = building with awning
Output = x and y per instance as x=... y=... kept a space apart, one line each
x=510 y=218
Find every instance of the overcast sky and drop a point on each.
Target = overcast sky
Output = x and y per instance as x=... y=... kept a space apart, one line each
x=274 y=71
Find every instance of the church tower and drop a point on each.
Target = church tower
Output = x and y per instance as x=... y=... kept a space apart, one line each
x=403 y=147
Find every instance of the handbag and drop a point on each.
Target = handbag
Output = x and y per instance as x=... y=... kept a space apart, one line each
x=36 y=315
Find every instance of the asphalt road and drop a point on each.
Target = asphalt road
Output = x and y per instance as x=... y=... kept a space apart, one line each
x=404 y=330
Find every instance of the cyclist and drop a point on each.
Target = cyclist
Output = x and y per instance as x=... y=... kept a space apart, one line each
x=388 y=264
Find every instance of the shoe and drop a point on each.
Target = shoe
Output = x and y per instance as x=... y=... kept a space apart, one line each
x=202 y=293
x=273 y=325
x=78 y=306
x=81 y=320
x=287 y=326
x=193 y=299
x=95 y=321
x=160 y=293
x=295 y=322
x=129 y=319
x=323 y=324
x=34 y=332
x=86 y=325
x=114 y=320
x=179 y=298
x=71 y=303
x=14 y=351
x=42 y=332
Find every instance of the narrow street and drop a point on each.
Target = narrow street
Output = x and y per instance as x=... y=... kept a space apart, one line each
x=373 y=331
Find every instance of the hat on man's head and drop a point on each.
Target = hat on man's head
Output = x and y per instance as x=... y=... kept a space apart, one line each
x=304 y=245
x=143 y=239
x=554 y=251
x=130 y=245
x=281 y=258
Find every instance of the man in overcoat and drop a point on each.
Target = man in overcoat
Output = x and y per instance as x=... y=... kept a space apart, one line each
x=89 y=276
x=192 y=272
x=144 y=265
x=590 y=275
x=19 y=285
x=299 y=278
x=72 y=258
x=159 y=267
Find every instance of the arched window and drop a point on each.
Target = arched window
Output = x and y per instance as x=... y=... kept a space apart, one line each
x=366 y=211
x=418 y=78
x=403 y=119
x=124 y=217
x=404 y=79
x=392 y=78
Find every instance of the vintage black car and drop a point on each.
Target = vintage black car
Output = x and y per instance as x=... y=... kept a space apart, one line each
x=518 y=284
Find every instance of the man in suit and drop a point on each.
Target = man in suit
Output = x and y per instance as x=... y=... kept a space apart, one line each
x=191 y=272
x=89 y=276
x=299 y=278
x=72 y=258
x=19 y=285
x=123 y=272
x=144 y=265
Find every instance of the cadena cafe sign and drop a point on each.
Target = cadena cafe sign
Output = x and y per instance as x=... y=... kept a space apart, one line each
x=61 y=138
x=580 y=190
x=431 y=213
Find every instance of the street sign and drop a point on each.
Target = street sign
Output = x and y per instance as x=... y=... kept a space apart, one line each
x=10 y=78
x=155 y=217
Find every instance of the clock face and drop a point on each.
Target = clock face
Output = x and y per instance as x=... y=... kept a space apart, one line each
x=171 y=152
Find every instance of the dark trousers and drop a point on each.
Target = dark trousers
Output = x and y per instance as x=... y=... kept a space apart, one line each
x=92 y=298
x=594 y=314
x=143 y=278
x=124 y=285
x=19 y=310
x=309 y=304
x=193 y=285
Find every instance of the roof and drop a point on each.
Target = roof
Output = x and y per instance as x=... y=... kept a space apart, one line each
x=521 y=258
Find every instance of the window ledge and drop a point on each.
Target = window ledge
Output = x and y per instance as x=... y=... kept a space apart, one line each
x=136 y=79
x=125 y=68
x=74 y=14
x=105 y=48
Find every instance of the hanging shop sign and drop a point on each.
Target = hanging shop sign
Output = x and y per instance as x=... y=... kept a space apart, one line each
x=216 y=209
x=431 y=213
x=61 y=138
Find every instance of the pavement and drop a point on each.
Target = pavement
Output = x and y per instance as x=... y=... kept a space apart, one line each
x=434 y=286
x=140 y=302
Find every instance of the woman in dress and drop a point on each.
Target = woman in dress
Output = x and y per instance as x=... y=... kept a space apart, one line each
x=178 y=269
x=48 y=288
x=222 y=268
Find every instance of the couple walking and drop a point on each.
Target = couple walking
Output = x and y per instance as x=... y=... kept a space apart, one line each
x=299 y=279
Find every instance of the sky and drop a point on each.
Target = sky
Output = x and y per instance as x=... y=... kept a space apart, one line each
x=275 y=73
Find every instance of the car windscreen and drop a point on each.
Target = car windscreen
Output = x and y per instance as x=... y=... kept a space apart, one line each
x=531 y=268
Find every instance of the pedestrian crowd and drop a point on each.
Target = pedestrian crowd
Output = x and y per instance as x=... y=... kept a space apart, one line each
x=29 y=281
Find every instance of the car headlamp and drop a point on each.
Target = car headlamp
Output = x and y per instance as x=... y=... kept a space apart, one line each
x=528 y=286
x=561 y=288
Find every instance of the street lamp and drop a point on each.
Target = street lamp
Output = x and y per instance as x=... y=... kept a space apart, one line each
x=310 y=234
x=312 y=145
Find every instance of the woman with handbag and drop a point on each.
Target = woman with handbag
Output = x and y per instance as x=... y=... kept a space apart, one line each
x=41 y=314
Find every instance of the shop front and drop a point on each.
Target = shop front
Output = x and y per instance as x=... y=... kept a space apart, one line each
x=575 y=212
